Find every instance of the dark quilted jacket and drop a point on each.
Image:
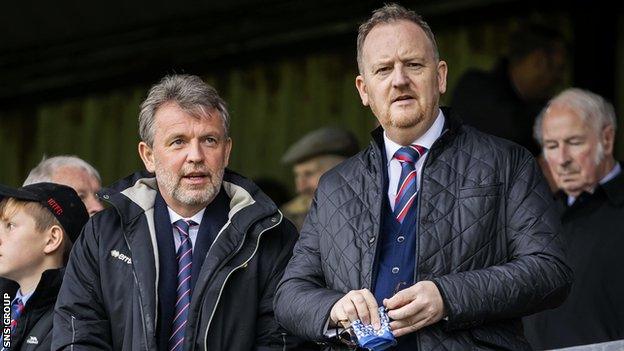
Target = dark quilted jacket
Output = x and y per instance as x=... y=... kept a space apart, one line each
x=488 y=238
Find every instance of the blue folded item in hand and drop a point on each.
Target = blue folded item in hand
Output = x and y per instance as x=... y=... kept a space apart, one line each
x=374 y=340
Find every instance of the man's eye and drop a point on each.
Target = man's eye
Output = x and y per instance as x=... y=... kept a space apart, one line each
x=550 y=146
x=10 y=225
x=210 y=141
x=383 y=69
x=177 y=142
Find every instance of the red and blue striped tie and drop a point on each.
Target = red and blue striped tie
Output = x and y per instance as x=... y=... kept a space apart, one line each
x=17 y=307
x=406 y=191
x=185 y=262
x=16 y=311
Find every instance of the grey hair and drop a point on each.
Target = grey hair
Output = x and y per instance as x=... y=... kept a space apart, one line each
x=190 y=92
x=593 y=109
x=44 y=171
x=391 y=13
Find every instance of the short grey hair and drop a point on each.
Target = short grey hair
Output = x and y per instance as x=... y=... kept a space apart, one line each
x=593 y=109
x=391 y=13
x=189 y=92
x=44 y=171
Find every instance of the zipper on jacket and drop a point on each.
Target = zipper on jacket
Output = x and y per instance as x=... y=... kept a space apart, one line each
x=418 y=222
x=214 y=309
x=136 y=279
x=73 y=332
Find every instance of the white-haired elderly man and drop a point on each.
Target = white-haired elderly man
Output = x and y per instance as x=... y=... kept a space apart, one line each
x=73 y=172
x=576 y=131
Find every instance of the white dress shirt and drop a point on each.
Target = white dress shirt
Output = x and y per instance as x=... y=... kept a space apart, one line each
x=174 y=217
x=394 y=166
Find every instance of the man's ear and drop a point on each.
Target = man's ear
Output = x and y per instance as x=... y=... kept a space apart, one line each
x=147 y=155
x=442 y=72
x=361 y=87
x=228 y=149
x=607 y=139
x=54 y=239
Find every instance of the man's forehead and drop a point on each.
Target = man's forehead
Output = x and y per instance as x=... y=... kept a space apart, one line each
x=404 y=34
x=306 y=166
x=171 y=117
x=564 y=126
x=75 y=177
x=563 y=117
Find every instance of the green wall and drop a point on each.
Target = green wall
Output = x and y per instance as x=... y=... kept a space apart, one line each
x=272 y=104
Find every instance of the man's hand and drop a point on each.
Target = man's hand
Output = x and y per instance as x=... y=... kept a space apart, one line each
x=414 y=308
x=356 y=304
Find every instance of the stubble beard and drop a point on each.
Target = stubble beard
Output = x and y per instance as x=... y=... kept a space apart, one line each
x=171 y=183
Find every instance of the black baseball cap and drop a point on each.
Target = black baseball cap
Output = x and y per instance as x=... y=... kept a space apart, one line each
x=61 y=200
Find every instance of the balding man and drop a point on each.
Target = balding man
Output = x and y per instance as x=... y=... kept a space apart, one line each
x=577 y=131
x=73 y=172
x=449 y=229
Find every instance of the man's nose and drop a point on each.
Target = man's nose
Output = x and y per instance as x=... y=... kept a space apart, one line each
x=195 y=152
x=399 y=77
x=93 y=205
x=563 y=155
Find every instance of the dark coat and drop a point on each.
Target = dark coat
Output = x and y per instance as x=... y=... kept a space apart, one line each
x=108 y=298
x=593 y=232
x=34 y=326
x=488 y=237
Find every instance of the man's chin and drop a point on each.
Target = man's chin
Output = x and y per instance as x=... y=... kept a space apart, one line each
x=405 y=122
x=195 y=197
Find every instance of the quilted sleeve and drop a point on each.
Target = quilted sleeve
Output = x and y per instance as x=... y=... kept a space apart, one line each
x=302 y=302
x=535 y=276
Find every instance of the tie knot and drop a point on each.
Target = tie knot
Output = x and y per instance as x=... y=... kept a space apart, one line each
x=410 y=153
x=18 y=302
x=183 y=226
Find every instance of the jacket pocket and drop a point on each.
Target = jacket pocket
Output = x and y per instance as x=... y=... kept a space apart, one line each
x=481 y=236
x=480 y=191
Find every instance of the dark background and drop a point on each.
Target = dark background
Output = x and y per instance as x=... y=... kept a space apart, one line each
x=72 y=73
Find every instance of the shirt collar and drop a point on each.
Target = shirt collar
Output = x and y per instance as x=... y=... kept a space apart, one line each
x=24 y=298
x=612 y=174
x=174 y=217
x=426 y=140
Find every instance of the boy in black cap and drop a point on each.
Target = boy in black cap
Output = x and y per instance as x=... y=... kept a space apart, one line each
x=38 y=224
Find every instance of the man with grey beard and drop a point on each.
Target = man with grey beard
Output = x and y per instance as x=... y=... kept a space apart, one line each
x=576 y=132
x=187 y=257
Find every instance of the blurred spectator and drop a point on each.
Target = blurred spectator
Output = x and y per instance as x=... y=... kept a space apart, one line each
x=505 y=101
x=576 y=132
x=312 y=156
x=38 y=224
x=67 y=170
x=73 y=172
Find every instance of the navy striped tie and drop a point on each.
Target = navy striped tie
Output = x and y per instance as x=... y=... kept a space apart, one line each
x=17 y=307
x=185 y=262
x=406 y=190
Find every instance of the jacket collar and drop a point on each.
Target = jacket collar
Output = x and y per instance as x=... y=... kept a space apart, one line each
x=614 y=189
x=135 y=194
x=47 y=289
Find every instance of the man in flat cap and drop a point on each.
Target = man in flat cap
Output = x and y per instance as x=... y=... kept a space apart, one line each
x=311 y=156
